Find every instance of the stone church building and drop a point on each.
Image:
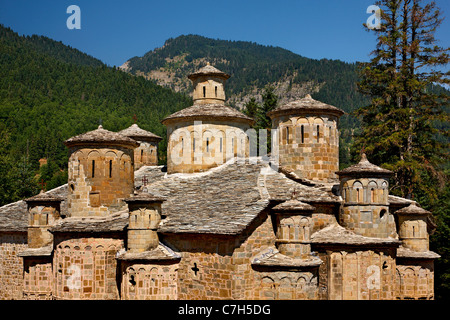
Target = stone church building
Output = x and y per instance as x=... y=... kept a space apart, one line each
x=218 y=222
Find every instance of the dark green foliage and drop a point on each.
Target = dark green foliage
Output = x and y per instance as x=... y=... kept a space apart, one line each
x=50 y=92
x=405 y=124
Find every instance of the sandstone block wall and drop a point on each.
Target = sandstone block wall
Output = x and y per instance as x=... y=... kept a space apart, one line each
x=86 y=268
x=38 y=278
x=357 y=275
x=11 y=266
x=415 y=280
x=197 y=148
x=147 y=281
x=309 y=145
x=99 y=179
x=146 y=154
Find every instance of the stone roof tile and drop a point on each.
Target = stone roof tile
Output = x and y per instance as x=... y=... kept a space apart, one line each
x=208 y=70
x=101 y=136
x=211 y=111
x=363 y=168
x=337 y=235
x=135 y=132
x=305 y=105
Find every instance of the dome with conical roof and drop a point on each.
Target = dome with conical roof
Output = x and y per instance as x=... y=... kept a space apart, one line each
x=100 y=136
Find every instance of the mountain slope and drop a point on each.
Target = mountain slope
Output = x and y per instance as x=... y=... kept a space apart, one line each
x=252 y=67
x=50 y=92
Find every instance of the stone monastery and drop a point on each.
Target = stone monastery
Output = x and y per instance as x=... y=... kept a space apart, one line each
x=217 y=223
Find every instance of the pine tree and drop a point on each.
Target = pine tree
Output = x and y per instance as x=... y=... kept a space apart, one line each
x=399 y=125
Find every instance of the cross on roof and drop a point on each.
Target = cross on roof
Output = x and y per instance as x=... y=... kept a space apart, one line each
x=43 y=184
x=144 y=180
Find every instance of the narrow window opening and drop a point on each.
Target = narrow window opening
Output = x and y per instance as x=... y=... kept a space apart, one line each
x=414 y=231
x=93 y=168
x=182 y=145
x=302 y=130
x=207 y=144
x=142 y=155
x=204 y=92
x=287 y=135
x=110 y=168
x=132 y=281
x=372 y=195
x=318 y=133
x=220 y=144
x=215 y=89
x=193 y=145
x=357 y=195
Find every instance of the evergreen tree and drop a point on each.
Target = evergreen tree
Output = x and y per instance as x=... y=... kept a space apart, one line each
x=399 y=128
x=251 y=108
x=404 y=126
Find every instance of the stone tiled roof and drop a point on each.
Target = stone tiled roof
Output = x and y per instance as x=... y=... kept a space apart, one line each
x=403 y=252
x=135 y=132
x=112 y=223
x=208 y=70
x=161 y=252
x=101 y=136
x=293 y=205
x=145 y=197
x=14 y=217
x=413 y=209
x=225 y=199
x=45 y=197
x=273 y=258
x=148 y=174
x=280 y=187
x=212 y=111
x=337 y=235
x=37 y=252
x=364 y=168
x=305 y=105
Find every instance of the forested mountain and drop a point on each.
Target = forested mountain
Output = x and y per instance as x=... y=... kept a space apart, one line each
x=50 y=92
x=253 y=67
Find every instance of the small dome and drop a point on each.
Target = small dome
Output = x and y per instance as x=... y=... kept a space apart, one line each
x=293 y=205
x=135 y=132
x=305 y=105
x=209 y=112
x=208 y=70
x=414 y=210
x=364 y=168
x=101 y=136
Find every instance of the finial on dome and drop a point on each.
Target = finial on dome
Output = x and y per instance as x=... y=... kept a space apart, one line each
x=100 y=127
x=363 y=157
x=207 y=63
x=308 y=96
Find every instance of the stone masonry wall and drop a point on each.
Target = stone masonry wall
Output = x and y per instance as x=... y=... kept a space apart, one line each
x=148 y=281
x=86 y=268
x=99 y=179
x=38 y=278
x=198 y=148
x=11 y=266
x=357 y=275
x=309 y=145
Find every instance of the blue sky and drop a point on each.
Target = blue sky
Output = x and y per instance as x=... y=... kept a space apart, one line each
x=114 y=31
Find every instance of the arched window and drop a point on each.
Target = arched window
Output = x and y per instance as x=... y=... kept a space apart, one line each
x=287 y=135
x=93 y=168
x=318 y=133
x=204 y=91
x=302 y=131
x=215 y=90
x=110 y=168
